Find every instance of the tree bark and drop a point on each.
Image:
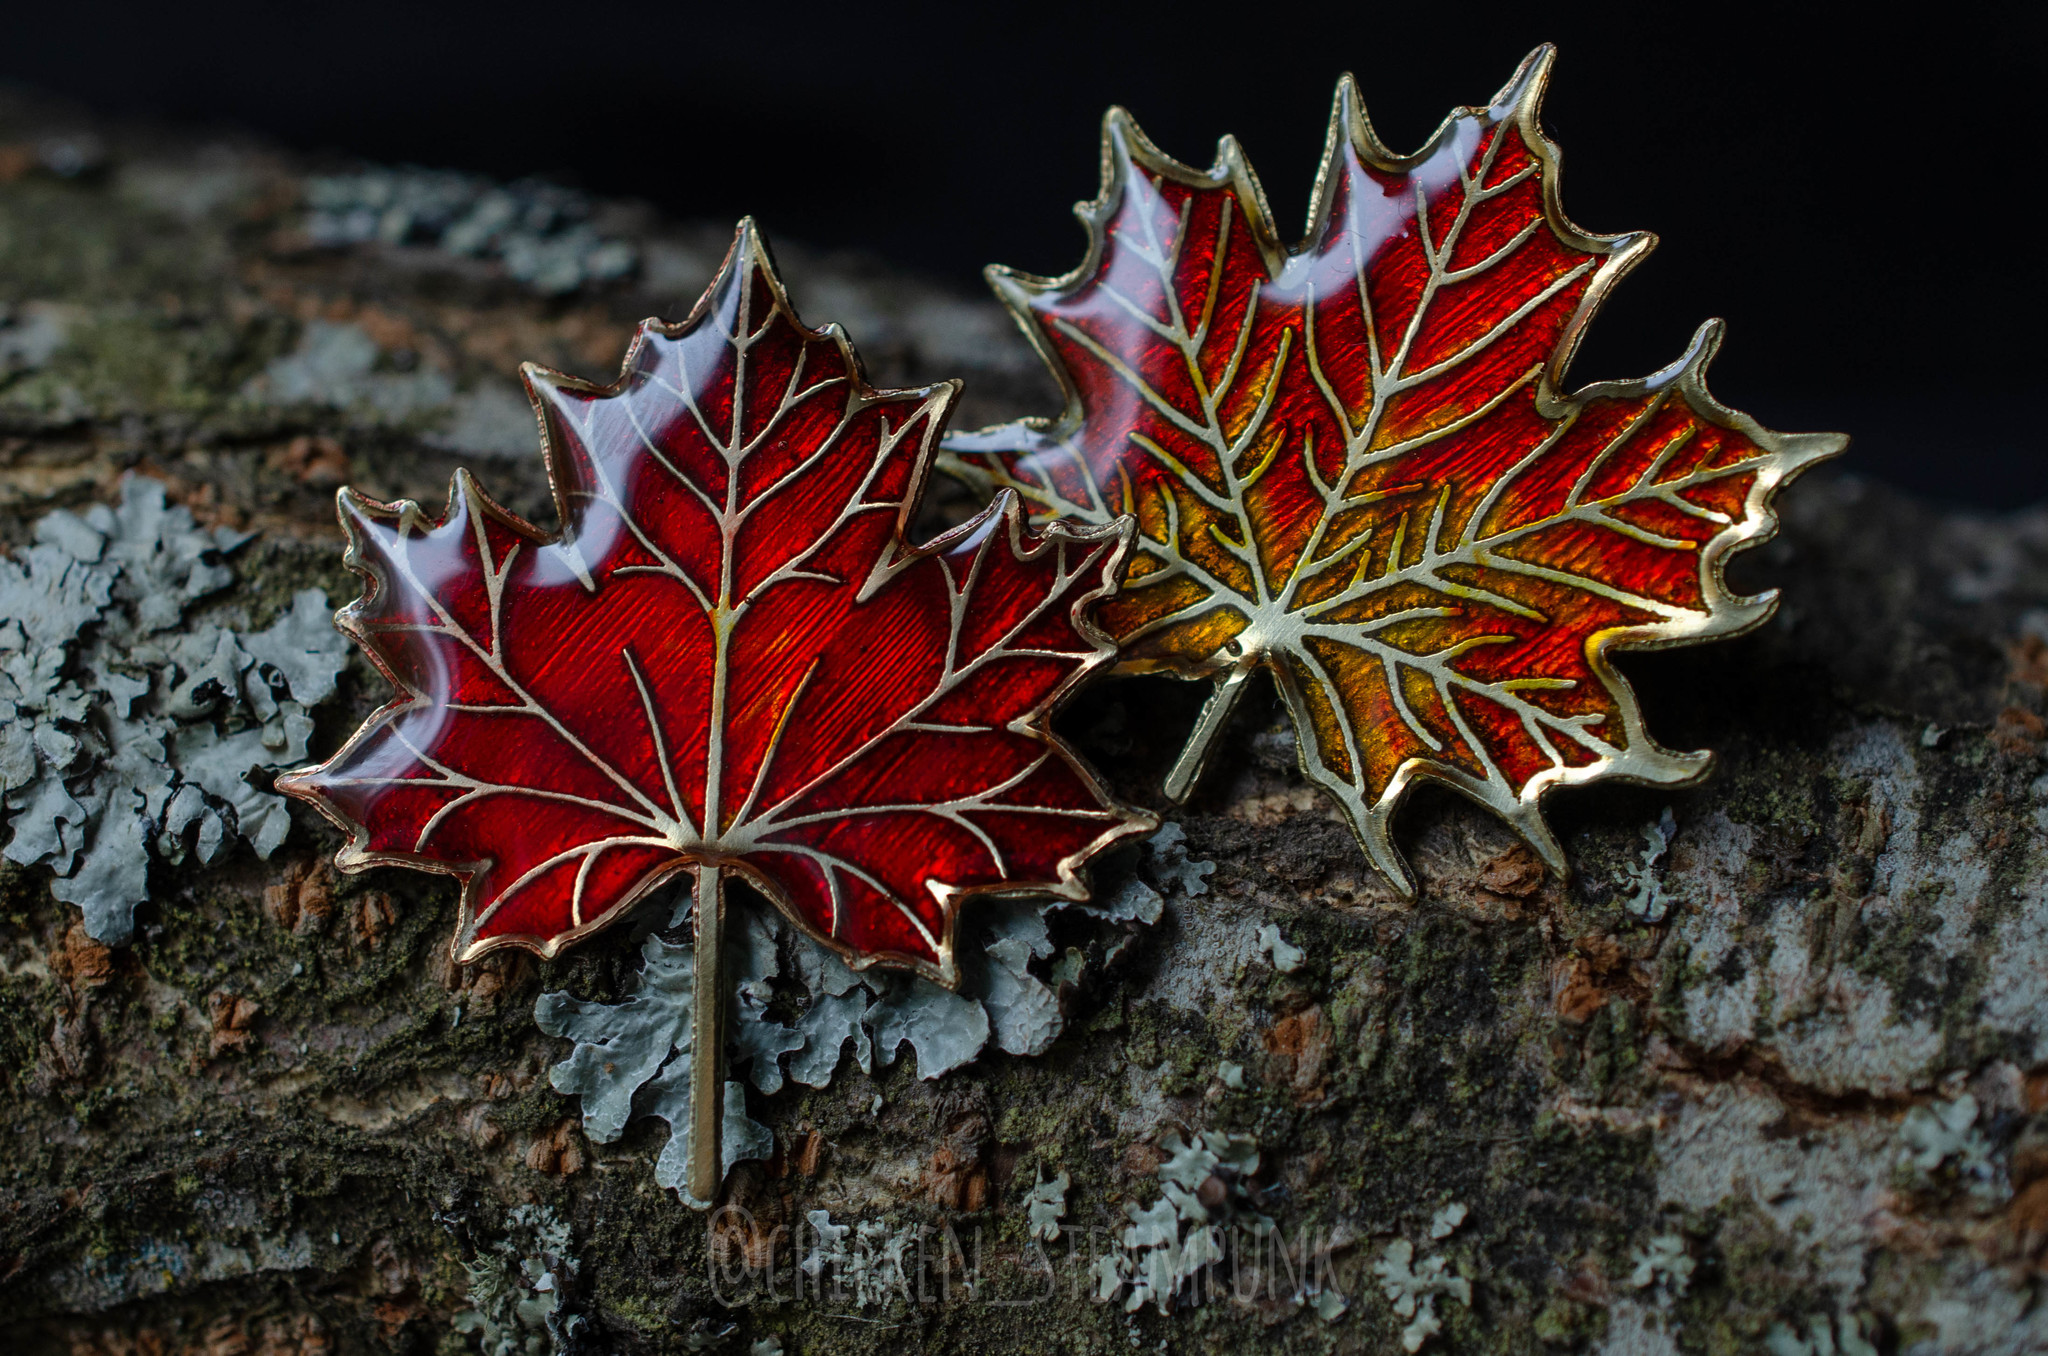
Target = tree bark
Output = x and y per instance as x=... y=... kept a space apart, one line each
x=1775 y=1063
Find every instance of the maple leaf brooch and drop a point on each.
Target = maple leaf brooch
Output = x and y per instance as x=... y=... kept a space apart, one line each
x=728 y=662
x=1353 y=464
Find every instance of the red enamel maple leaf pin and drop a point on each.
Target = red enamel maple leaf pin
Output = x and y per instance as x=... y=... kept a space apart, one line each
x=729 y=660
x=1353 y=463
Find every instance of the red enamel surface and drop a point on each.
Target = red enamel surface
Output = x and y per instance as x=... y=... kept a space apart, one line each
x=1349 y=460
x=729 y=654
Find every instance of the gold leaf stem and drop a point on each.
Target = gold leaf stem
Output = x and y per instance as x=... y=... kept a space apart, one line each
x=707 y=1036
x=1187 y=768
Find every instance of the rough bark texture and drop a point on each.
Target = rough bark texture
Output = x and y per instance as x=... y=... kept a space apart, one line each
x=279 y=1120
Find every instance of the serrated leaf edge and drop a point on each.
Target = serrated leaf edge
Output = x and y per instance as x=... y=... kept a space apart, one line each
x=749 y=251
x=1125 y=145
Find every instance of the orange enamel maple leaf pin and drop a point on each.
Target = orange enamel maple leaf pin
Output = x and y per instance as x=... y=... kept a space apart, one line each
x=1353 y=462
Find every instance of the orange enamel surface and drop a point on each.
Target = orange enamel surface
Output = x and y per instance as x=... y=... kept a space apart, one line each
x=1349 y=458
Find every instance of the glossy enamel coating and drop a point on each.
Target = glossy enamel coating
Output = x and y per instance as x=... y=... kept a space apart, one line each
x=1351 y=463
x=728 y=658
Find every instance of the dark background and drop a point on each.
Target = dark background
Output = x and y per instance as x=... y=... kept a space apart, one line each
x=1859 y=196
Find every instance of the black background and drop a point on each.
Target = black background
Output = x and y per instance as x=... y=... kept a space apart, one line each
x=1861 y=197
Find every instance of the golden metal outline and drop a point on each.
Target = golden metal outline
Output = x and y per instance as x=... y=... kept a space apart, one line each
x=1724 y=614
x=1005 y=511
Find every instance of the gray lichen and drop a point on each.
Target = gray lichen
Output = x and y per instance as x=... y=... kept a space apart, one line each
x=1823 y=1335
x=125 y=735
x=1945 y=1135
x=632 y=1058
x=1045 y=1205
x=634 y=1049
x=1664 y=1260
x=1414 y=1288
x=628 y=1057
x=1170 y=864
x=539 y=233
x=1203 y=1196
x=516 y=1284
x=1649 y=902
x=872 y=1259
x=1285 y=957
x=337 y=366
x=1445 y=1222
